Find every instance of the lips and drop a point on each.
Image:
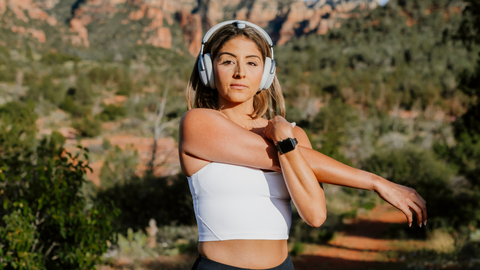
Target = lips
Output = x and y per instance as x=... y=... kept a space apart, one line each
x=238 y=86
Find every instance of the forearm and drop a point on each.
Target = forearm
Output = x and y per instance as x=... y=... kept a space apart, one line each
x=306 y=193
x=330 y=171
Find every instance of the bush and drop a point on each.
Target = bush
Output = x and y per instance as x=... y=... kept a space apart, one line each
x=101 y=75
x=87 y=126
x=58 y=58
x=421 y=170
x=17 y=128
x=47 y=90
x=46 y=223
x=118 y=167
x=165 y=199
x=112 y=112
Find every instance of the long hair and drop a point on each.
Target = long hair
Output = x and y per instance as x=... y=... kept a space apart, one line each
x=267 y=103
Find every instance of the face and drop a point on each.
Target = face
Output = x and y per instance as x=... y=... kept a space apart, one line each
x=238 y=69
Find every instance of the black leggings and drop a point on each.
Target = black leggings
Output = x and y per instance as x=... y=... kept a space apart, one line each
x=203 y=263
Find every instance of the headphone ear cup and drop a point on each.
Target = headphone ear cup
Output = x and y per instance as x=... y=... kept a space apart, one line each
x=209 y=70
x=267 y=78
x=271 y=77
x=202 y=73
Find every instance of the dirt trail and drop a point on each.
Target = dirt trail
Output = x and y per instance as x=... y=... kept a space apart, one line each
x=360 y=245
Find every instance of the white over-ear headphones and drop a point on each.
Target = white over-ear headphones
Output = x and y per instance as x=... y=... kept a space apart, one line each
x=205 y=60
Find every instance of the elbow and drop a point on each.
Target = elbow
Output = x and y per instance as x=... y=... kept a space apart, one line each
x=317 y=220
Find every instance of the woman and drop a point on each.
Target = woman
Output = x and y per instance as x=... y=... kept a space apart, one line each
x=244 y=162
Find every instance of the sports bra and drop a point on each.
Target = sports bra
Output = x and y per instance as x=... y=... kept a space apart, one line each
x=236 y=202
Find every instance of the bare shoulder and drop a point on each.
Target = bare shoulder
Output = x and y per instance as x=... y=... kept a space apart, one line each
x=201 y=115
x=302 y=137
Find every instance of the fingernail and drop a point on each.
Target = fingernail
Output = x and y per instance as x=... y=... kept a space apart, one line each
x=410 y=225
x=420 y=224
x=425 y=222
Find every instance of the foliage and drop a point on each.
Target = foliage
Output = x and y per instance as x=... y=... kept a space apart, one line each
x=134 y=244
x=466 y=153
x=165 y=199
x=431 y=178
x=17 y=128
x=377 y=60
x=46 y=223
x=331 y=122
x=125 y=84
x=87 y=126
x=112 y=112
x=119 y=166
x=53 y=58
x=47 y=90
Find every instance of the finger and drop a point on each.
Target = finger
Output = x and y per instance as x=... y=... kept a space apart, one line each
x=408 y=214
x=418 y=212
x=423 y=206
x=421 y=199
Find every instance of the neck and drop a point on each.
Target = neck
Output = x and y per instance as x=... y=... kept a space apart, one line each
x=240 y=115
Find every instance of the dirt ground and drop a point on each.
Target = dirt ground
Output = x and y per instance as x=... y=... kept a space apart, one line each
x=360 y=245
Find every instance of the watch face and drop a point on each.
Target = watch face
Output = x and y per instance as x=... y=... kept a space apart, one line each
x=286 y=145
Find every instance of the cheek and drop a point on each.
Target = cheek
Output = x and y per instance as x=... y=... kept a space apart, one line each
x=220 y=73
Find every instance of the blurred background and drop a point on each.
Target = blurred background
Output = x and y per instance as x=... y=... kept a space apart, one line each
x=92 y=92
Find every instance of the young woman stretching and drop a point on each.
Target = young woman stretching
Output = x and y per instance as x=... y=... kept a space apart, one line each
x=245 y=162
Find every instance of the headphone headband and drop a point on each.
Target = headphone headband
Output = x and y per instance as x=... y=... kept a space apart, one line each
x=240 y=24
x=205 y=61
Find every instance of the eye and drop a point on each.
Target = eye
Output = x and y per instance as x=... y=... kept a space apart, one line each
x=227 y=62
x=253 y=64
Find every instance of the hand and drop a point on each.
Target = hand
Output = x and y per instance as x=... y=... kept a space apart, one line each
x=278 y=129
x=404 y=198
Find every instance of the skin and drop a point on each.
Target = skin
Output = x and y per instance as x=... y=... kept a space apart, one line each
x=230 y=135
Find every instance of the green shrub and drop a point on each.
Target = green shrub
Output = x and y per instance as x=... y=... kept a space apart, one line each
x=58 y=58
x=101 y=75
x=17 y=128
x=112 y=112
x=297 y=249
x=83 y=93
x=87 y=126
x=430 y=177
x=8 y=73
x=165 y=199
x=46 y=223
x=118 y=167
x=125 y=84
x=47 y=90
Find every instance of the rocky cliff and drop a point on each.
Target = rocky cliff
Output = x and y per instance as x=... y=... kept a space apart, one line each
x=166 y=23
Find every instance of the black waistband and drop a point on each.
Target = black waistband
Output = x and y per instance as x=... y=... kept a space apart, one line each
x=204 y=263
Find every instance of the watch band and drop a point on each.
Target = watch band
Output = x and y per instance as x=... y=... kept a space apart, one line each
x=287 y=145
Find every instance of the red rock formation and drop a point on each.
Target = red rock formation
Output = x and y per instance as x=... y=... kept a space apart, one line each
x=3 y=6
x=192 y=29
x=77 y=26
x=161 y=38
x=317 y=18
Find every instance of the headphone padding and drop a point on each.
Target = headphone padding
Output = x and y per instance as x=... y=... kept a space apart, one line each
x=202 y=73
x=209 y=70
x=270 y=76
x=266 y=81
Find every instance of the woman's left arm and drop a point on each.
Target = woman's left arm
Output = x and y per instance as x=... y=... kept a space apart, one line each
x=305 y=191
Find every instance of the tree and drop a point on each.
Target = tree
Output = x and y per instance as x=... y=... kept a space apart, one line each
x=46 y=222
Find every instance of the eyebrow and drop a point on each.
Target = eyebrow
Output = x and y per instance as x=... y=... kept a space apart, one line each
x=248 y=56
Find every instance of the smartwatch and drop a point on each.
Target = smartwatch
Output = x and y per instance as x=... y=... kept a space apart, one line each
x=287 y=145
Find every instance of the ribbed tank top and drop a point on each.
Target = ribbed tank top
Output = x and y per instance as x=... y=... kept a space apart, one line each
x=236 y=202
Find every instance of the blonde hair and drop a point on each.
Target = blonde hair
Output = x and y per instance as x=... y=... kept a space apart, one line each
x=266 y=103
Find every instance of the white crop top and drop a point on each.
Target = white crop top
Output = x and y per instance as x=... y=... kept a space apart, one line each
x=235 y=202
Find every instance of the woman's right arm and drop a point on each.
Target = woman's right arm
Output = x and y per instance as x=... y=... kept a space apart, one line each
x=207 y=134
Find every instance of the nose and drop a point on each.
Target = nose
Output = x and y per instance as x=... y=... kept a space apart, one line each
x=239 y=71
